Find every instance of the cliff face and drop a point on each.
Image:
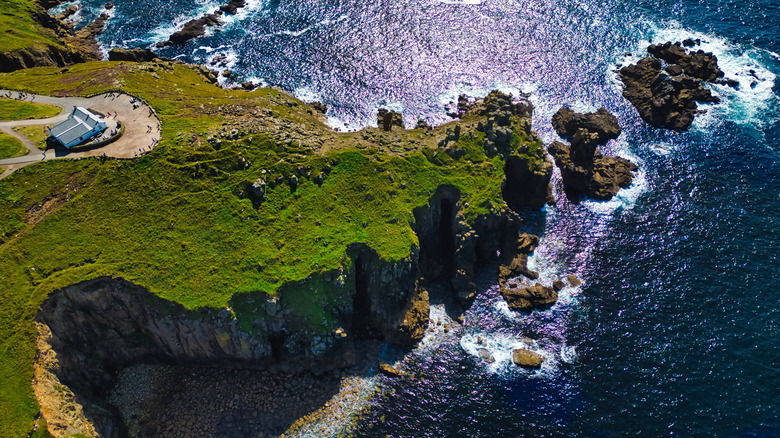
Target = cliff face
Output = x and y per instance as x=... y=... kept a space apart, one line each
x=79 y=46
x=90 y=331
x=43 y=56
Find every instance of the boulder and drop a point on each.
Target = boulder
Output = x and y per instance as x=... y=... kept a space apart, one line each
x=674 y=70
x=319 y=107
x=573 y=280
x=558 y=285
x=527 y=358
x=485 y=354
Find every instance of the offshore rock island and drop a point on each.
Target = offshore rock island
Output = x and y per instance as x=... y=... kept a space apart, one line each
x=254 y=237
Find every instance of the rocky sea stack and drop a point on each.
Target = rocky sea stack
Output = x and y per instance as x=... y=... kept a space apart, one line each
x=665 y=86
x=583 y=168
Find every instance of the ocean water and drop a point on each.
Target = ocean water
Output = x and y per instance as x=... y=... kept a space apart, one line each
x=676 y=329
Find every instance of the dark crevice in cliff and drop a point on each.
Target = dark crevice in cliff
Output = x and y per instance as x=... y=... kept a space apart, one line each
x=361 y=303
x=447 y=237
x=276 y=341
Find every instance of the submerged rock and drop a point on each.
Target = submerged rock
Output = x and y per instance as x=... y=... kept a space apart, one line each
x=485 y=354
x=527 y=358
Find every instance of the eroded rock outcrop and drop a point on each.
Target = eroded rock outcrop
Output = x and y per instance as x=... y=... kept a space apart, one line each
x=131 y=55
x=666 y=96
x=197 y=27
x=529 y=297
x=80 y=46
x=386 y=119
x=584 y=169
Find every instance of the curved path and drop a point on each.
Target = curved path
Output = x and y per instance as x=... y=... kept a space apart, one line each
x=137 y=139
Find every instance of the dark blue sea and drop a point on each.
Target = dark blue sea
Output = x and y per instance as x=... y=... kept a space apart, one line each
x=676 y=329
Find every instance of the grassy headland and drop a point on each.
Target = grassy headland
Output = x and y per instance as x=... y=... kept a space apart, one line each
x=21 y=30
x=184 y=222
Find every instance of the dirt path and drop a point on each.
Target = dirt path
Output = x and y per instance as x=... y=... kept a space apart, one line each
x=142 y=127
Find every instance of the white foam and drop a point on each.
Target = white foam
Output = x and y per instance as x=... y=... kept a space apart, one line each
x=461 y=2
x=626 y=198
x=294 y=33
x=662 y=149
x=164 y=31
x=307 y=95
x=569 y=354
x=500 y=347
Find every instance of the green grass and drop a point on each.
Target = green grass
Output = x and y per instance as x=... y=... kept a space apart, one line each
x=180 y=222
x=10 y=146
x=36 y=133
x=18 y=28
x=11 y=109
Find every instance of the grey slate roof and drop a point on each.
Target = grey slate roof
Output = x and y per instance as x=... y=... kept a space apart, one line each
x=79 y=123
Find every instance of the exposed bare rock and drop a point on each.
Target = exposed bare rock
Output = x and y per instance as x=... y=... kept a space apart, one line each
x=601 y=178
x=416 y=319
x=386 y=119
x=131 y=55
x=390 y=371
x=700 y=64
x=602 y=123
x=193 y=29
x=232 y=7
x=526 y=243
x=530 y=297
x=527 y=358
x=667 y=99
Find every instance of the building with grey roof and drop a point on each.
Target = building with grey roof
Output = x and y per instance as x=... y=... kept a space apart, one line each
x=80 y=126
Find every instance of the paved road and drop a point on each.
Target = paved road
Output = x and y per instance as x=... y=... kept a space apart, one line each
x=141 y=128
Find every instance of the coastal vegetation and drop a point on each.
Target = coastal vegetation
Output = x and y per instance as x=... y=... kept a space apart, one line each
x=235 y=202
x=35 y=133
x=11 y=109
x=10 y=146
x=21 y=30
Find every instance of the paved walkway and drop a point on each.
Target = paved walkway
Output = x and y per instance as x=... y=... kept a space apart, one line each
x=137 y=118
